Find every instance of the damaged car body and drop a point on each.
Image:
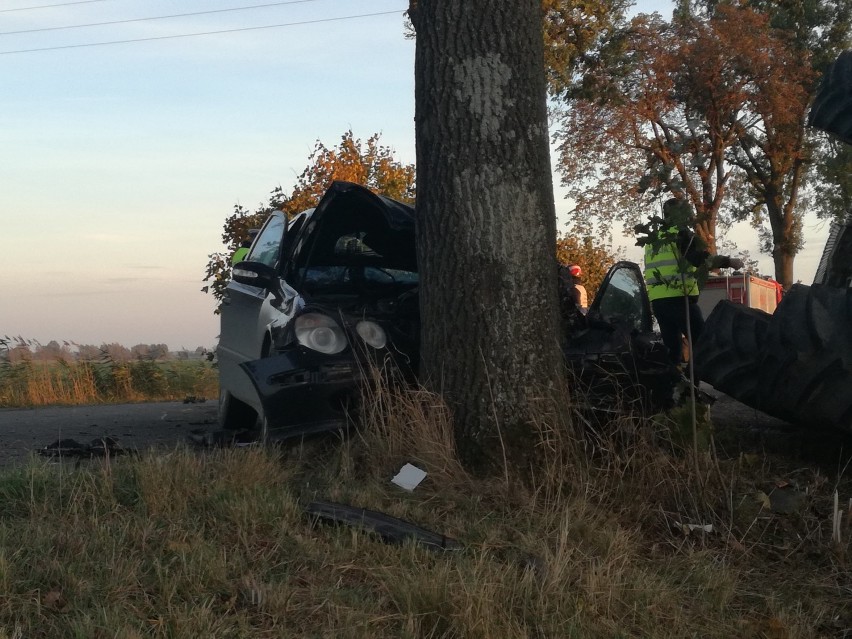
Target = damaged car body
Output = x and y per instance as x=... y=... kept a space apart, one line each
x=318 y=301
x=324 y=297
x=616 y=358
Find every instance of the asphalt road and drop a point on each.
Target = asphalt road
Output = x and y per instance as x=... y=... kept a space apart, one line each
x=139 y=426
x=163 y=425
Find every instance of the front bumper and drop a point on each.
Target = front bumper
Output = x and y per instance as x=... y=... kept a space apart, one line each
x=304 y=392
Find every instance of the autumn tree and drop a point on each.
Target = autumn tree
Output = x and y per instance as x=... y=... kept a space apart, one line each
x=486 y=227
x=574 y=32
x=52 y=351
x=368 y=163
x=772 y=153
x=778 y=155
x=710 y=107
x=89 y=353
x=655 y=124
x=150 y=352
x=115 y=353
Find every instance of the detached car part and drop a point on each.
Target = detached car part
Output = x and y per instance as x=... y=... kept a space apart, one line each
x=390 y=529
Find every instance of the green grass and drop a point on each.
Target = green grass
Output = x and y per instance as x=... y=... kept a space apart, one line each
x=38 y=383
x=216 y=544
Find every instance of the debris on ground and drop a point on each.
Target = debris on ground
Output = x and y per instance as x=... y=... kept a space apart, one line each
x=391 y=529
x=98 y=447
x=409 y=477
x=223 y=438
x=688 y=528
x=786 y=500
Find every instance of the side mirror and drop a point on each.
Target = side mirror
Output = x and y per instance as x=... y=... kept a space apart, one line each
x=254 y=274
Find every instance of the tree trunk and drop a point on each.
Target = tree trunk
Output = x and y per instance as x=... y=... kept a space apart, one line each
x=786 y=233
x=705 y=229
x=486 y=224
x=783 y=268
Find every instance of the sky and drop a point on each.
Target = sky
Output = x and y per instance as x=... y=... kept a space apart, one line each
x=124 y=146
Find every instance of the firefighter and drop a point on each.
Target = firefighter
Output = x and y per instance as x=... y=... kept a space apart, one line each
x=578 y=291
x=242 y=252
x=671 y=263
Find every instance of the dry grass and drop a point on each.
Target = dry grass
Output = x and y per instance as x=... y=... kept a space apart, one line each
x=39 y=383
x=216 y=545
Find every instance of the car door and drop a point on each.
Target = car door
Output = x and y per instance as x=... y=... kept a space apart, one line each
x=618 y=354
x=622 y=299
x=246 y=312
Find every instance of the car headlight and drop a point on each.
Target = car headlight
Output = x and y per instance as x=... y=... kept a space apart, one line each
x=320 y=333
x=372 y=333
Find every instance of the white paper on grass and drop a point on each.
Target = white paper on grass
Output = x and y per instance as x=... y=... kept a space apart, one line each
x=409 y=477
x=687 y=528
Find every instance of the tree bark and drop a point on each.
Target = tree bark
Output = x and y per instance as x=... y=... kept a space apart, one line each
x=783 y=268
x=705 y=229
x=786 y=233
x=486 y=224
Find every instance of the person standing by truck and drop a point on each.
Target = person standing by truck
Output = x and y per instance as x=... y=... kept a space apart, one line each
x=673 y=257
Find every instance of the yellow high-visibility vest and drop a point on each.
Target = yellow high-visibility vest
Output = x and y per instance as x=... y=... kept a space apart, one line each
x=239 y=255
x=670 y=283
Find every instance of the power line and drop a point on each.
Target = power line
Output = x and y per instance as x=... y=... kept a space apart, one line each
x=205 y=33
x=50 y=6
x=176 y=15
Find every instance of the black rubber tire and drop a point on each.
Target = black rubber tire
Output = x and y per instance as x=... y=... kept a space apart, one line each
x=235 y=414
x=832 y=107
x=729 y=352
x=806 y=369
x=788 y=334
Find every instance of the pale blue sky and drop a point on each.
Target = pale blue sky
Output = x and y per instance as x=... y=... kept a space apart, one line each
x=119 y=163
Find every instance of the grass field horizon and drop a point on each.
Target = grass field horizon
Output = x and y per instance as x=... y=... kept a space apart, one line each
x=106 y=375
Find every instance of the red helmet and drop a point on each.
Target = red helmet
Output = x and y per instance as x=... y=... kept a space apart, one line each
x=575 y=270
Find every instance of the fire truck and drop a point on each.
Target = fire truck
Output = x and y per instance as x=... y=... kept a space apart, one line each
x=740 y=288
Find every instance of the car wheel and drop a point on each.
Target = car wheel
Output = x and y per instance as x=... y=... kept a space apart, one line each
x=235 y=414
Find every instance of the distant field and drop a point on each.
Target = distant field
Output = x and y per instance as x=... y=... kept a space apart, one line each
x=44 y=383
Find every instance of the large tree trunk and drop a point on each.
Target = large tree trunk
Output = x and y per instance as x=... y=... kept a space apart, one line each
x=786 y=230
x=485 y=219
x=705 y=229
x=783 y=268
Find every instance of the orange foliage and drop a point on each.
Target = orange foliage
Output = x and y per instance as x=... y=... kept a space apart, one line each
x=595 y=259
x=368 y=163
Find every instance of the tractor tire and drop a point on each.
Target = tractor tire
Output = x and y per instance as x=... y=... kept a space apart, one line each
x=806 y=368
x=831 y=110
x=728 y=354
x=787 y=335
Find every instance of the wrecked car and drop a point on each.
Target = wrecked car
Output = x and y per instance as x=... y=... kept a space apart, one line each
x=316 y=299
x=614 y=354
x=325 y=295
